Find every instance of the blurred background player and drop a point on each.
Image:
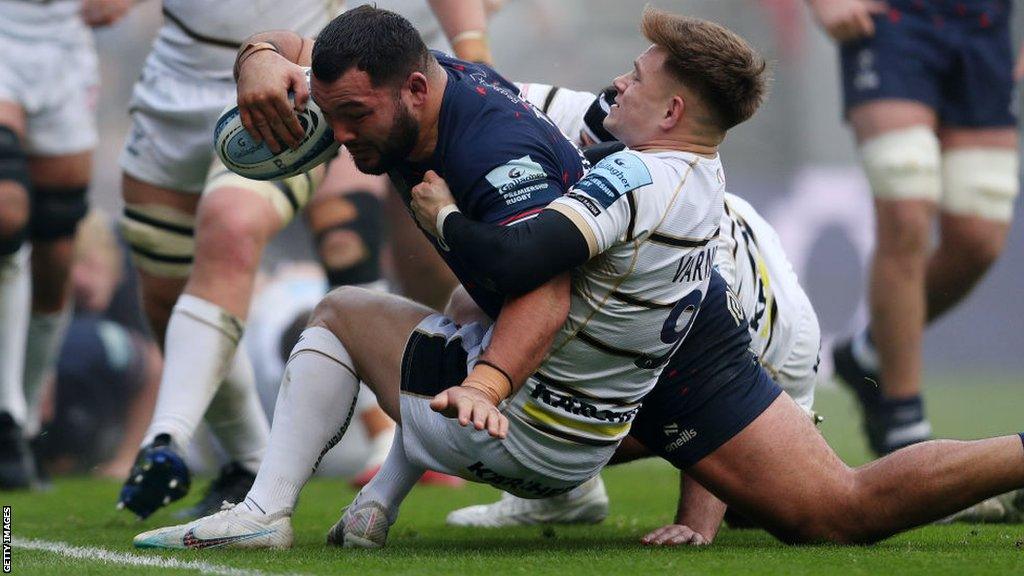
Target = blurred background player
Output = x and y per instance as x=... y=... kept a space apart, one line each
x=207 y=252
x=96 y=408
x=928 y=93
x=48 y=86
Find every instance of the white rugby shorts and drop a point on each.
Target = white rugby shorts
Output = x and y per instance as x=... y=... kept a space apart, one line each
x=56 y=83
x=171 y=139
x=438 y=355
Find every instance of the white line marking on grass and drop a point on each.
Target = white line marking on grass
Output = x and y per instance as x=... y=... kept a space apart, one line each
x=124 y=558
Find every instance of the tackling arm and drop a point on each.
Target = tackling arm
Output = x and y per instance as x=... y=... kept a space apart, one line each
x=522 y=335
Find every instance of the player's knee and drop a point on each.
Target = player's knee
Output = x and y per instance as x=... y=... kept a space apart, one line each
x=348 y=231
x=56 y=213
x=161 y=239
x=904 y=230
x=903 y=164
x=14 y=186
x=341 y=310
x=981 y=182
x=230 y=234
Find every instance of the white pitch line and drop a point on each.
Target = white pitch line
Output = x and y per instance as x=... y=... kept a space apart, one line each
x=111 y=557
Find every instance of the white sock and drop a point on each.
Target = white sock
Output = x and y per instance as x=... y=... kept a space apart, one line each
x=314 y=407
x=236 y=416
x=15 y=298
x=45 y=337
x=864 y=352
x=396 y=478
x=199 y=347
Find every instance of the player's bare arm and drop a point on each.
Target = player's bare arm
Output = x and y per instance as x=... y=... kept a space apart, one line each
x=522 y=337
x=268 y=67
x=847 y=19
x=698 y=517
x=465 y=25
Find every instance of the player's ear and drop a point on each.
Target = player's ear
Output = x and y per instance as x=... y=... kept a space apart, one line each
x=417 y=86
x=674 y=112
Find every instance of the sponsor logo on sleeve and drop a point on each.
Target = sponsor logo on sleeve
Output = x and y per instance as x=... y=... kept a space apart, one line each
x=518 y=179
x=614 y=176
x=591 y=206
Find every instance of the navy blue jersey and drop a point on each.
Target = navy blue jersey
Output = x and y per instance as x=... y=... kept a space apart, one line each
x=503 y=159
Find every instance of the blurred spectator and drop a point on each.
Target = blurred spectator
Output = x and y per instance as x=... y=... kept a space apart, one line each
x=96 y=408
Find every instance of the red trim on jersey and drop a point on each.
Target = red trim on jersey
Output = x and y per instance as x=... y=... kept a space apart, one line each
x=519 y=216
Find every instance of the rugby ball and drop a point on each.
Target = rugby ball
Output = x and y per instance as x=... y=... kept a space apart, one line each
x=246 y=157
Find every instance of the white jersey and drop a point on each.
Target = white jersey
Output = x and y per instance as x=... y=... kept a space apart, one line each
x=651 y=221
x=51 y=21
x=752 y=261
x=563 y=106
x=199 y=38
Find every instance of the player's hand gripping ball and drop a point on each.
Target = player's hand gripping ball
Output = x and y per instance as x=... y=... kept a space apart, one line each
x=250 y=157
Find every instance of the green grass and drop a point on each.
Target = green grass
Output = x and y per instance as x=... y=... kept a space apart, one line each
x=80 y=512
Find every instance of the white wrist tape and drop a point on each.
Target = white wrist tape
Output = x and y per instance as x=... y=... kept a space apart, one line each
x=439 y=223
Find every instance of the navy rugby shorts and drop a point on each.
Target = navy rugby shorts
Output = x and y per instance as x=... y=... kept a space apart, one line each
x=711 y=388
x=954 y=56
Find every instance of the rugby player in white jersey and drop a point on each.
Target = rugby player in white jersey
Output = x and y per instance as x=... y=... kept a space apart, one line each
x=49 y=82
x=197 y=231
x=768 y=462
x=783 y=326
x=628 y=309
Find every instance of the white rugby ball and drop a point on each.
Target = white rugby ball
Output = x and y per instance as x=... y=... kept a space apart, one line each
x=246 y=157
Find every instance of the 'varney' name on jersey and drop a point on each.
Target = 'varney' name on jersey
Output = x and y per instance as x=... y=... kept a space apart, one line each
x=651 y=221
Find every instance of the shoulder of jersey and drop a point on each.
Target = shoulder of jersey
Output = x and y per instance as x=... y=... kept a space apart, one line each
x=615 y=175
x=243 y=156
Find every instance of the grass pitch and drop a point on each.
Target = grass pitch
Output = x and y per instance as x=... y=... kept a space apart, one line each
x=80 y=513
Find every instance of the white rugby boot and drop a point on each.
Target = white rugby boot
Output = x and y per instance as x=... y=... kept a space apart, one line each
x=235 y=526
x=585 y=504
x=363 y=525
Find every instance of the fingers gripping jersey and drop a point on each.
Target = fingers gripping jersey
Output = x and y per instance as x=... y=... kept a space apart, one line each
x=651 y=221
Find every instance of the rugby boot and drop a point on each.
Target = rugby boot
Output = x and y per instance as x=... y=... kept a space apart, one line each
x=586 y=504
x=362 y=525
x=17 y=465
x=158 y=477
x=235 y=526
x=231 y=486
x=890 y=423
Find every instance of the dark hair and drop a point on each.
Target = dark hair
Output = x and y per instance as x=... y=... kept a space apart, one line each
x=378 y=42
x=727 y=74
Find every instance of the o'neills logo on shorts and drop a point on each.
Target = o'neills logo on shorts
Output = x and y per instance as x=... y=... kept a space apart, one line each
x=581 y=407
x=514 y=485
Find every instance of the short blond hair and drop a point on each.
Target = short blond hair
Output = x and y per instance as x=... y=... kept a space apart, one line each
x=728 y=75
